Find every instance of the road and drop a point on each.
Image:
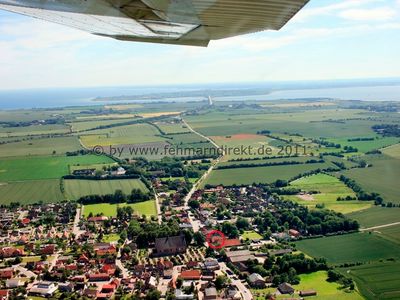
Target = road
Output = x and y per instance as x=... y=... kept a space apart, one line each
x=196 y=223
x=380 y=226
x=75 y=229
x=246 y=294
x=159 y=218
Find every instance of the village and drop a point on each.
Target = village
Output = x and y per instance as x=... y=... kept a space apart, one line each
x=54 y=251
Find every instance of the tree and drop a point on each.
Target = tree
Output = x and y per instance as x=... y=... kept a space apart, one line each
x=220 y=282
x=242 y=223
x=199 y=238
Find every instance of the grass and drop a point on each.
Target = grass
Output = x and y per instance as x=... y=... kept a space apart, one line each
x=392 y=151
x=169 y=128
x=270 y=174
x=113 y=237
x=365 y=146
x=129 y=134
x=33 y=130
x=314 y=281
x=40 y=146
x=32 y=191
x=376 y=216
x=251 y=235
x=391 y=233
x=85 y=125
x=147 y=208
x=76 y=188
x=330 y=189
x=379 y=280
x=358 y=247
x=382 y=177
x=44 y=167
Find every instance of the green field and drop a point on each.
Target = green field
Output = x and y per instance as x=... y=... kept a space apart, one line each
x=330 y=188
x=32 y=191
x=42 y=146
x=33 y=130
x=358 y=247
x=270 y=174
x=376 y=216
x=130 y=134
x=391 y=233
x=76 y=188
x=377 y=280
x=365 y=146
x=314 y=281
x=44 y=167
x=392 y=151
x=382 y=177
x=171 y=128
x=307 y=123
x=251 y=235
x=85 y=125
x=147 y=208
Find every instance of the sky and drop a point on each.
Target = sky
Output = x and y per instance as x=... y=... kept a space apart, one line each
x=342 y=39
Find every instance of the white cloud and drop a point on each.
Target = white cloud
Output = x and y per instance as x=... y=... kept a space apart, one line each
x=374 y=14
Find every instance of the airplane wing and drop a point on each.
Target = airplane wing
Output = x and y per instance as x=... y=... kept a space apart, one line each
x=182 y=22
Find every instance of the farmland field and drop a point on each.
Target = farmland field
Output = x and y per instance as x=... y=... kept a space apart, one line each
x=129 y=134
x=330 y=188
x=356 y=247
x=365 y=146
x=391 y=233
x=392 y=151
x=40 y=146
x=44 y=167
x=32 y=191
x=76 y=188
x=147 y=208
x=169 y=128
x=375 y=216
x=262 y=161
x=33 y=130
x=270 y=174
x=85 y=125
x=382 y=177
x=379 y=280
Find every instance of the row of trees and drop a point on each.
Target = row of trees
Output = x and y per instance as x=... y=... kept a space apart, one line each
x=137 y=195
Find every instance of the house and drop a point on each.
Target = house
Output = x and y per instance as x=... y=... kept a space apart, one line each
x=210 y=293
x=256 y=280
x=239 y=256
x=48 y=249
x=3 y=294
x=232 y=243
x=14 y=283
x=99 y=277
x=294 y=233
x=285 y=288
x=307 y=293
x=6 y=273
x=180 y=295
x=191 y=275
x=43 y=289
x=6 y=252
x=65 y=287
x=210 y=264
x=98 y=219
x=169 y=245
x=232 y=293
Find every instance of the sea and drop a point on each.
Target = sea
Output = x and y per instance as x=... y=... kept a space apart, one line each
x=62 y=97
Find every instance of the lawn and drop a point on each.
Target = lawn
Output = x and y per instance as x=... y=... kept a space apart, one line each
x=76 y=188
x=330 y=188
x=251 y=235
x=382 y=177
x=147 y=208
x=45 y=167
x=376 y=215
x=358 y=247
x=32 y=191
x=379 y=280
x=40 y=146
x=270 y=174
x=314 y=281
x=112 y=237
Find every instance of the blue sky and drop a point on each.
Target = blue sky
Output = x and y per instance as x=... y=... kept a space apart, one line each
x=326 y=40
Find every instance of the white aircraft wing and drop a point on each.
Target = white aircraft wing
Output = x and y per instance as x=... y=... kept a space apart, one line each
x=183 y=22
